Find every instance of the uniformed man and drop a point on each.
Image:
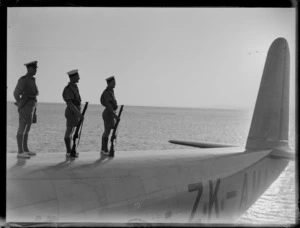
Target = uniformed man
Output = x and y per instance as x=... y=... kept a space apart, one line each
x=109 y=115
x=25 y=95
x=72 y=113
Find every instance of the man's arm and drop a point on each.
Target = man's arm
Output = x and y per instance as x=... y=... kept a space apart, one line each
x=108 y=101
x=19 y=89
x=74 y=109
x=111 y=110
x=68 y=96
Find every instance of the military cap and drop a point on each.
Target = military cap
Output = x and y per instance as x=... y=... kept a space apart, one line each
x=72 y=72
x=31 y=64
x=110 y=78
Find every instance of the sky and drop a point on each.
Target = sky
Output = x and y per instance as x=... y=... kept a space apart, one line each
x=171 y=57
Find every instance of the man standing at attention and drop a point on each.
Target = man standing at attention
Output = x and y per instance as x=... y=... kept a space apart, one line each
x=25 y=95
x=109 y=115
x=72 y=113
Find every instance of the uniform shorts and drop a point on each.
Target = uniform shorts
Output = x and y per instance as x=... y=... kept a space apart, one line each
x=72 y=119
x=109 y=121
x=26 y=111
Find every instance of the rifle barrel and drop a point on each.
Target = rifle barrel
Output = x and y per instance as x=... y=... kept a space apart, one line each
x=75 y=136
x=113 y=137
x=117 y=123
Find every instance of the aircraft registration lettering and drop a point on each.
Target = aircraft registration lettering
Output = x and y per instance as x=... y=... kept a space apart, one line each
x=215 y=204
x=246 y=197
x=213 y=198
x=195 y=187
x=230 y=195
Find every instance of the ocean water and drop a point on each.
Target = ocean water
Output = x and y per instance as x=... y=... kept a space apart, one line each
x=143 y=128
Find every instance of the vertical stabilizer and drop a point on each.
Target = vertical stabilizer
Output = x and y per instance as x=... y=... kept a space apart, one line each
x=270 y=121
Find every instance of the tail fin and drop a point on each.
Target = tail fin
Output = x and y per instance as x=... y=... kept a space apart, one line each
x=270 y=121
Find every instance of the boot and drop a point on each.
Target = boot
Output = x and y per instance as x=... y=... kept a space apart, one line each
x=25 y=146
x=68 y=146
x=104 y=149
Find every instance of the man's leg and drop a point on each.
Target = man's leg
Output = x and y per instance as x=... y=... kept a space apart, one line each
x=68 y=138
x=20 y=135
x=25 y=120
x=20 y=138
x=105 y=136
x=25 y=140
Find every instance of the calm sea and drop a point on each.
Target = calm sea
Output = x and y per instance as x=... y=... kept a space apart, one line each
x=143 y=128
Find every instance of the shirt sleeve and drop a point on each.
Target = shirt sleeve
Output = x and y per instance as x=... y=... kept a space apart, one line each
x=107 y=98
x=68 y=95
x=19 y=89
x=32 y=89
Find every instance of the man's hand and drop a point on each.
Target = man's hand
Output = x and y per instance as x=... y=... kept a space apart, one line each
x=80 y=116
x=117 y=118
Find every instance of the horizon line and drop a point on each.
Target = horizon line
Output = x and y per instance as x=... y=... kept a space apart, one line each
x=158 y=106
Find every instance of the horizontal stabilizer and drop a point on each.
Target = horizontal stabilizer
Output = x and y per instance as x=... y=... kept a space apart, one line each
x=281 y=154
x=201 y=144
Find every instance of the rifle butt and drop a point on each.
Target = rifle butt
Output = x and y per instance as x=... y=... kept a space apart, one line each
x=112 y=151
x=73 y=150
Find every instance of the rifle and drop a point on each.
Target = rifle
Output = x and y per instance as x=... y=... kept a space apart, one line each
x=34 y=116
x=78 y=127
x=113 y=136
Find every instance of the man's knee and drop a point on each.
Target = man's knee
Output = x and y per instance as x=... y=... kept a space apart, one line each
x=68 y=133
x=21 y=128
x=27 y=128
x=106 y=133
x=68 y=136
x=19 y=135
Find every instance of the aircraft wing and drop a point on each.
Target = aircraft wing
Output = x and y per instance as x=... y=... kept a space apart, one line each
x=178 y=185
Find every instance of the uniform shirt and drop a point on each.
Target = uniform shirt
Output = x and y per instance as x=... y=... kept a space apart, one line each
x=108 y=97
x=71 y=92
x=26 y=86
